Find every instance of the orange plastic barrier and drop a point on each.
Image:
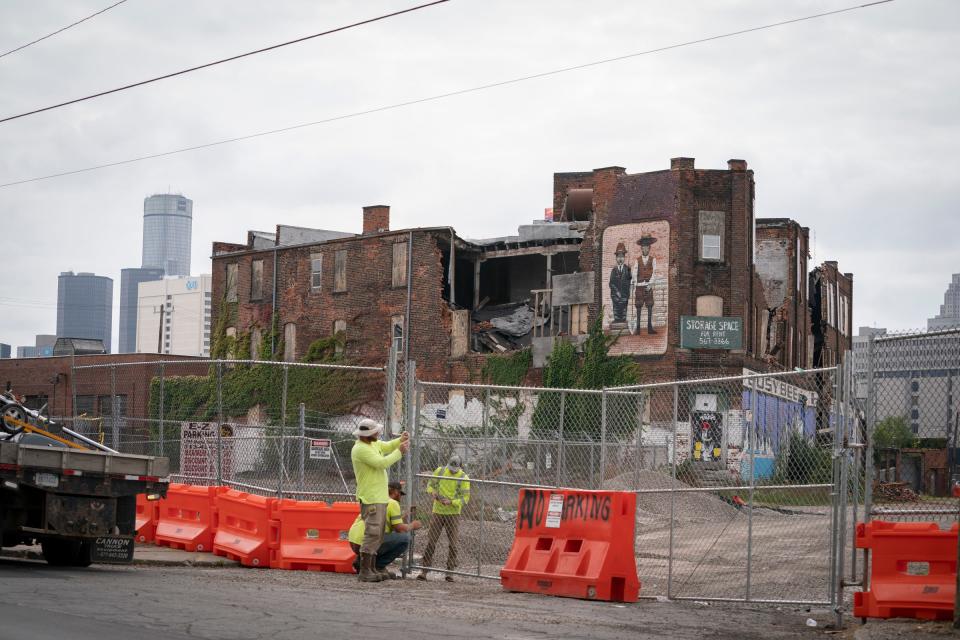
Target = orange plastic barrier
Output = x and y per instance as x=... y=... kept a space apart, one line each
x=243 y=525
x=312 y=536
x=577 y=544
x=187 y=517
x=145 y=522
x=913 y=570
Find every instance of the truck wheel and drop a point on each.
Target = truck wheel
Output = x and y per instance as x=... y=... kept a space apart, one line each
x=66 y=553
x=16 y=413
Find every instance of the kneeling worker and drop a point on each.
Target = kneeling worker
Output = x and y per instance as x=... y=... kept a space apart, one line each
x=396 y=536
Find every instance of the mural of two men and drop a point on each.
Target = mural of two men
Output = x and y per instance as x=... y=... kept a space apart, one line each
x=622 y=284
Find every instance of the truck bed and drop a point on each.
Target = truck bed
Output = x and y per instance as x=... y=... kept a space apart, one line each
x=93 y=462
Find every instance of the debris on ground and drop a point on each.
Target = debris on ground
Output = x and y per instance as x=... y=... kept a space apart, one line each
x=894 y=492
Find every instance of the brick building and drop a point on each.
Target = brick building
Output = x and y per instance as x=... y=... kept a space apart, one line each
x=673 y=261
x=831 y=311
x=54 y=382
x=782 y=250
x=427 y=285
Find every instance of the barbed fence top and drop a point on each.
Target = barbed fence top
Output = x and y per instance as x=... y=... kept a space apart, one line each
x=310 y=365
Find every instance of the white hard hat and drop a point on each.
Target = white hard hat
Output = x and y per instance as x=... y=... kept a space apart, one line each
x=367 y=428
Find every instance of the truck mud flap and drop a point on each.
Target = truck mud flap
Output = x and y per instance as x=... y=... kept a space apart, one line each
x=111 y=550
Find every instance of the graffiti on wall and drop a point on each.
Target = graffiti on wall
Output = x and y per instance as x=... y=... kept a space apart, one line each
x=635 y=264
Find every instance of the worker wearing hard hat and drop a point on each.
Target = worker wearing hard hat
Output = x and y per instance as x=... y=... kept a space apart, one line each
x=450 y=488
x=396 y=536
x=371 y=458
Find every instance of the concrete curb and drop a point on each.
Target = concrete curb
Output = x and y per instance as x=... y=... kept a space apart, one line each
x=143 y=555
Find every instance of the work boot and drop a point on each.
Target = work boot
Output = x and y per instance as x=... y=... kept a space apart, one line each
x=367 y=571
x=449 y=578
x=387 y=574
x=422 y=576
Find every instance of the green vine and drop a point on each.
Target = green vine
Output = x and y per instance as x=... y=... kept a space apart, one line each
x=508 y=370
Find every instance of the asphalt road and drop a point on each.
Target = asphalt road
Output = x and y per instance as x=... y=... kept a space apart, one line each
x=148 y=603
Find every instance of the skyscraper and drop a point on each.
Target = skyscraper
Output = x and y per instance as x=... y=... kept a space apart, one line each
x=949 y=315
x=167 y=228
x=85 y=306
x=130 y=280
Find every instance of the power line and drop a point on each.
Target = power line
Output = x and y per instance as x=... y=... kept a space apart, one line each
x=441 y=96
x=50 y=35
x=216 y=62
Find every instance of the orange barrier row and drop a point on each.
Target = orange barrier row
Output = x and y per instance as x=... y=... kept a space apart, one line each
x=913 y=570
x=312 y=536
x=577 y=544
x=243 y=522
x=145 y=522
x=188 y=517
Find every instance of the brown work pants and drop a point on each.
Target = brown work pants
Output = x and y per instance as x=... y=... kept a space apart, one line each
x=438 y=523
x=374 y=520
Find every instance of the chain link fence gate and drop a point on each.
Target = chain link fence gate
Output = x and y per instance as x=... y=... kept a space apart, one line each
x=741 y=482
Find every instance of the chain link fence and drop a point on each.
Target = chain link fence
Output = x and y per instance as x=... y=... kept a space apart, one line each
x=272 y=428
x=736 y=478
x=908 y=388
x=746 y=486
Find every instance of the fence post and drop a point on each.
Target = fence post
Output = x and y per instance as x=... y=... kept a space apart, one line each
x=73 y=393
x=871 y=425
x=303 y=436
x=219 y=423
x=641 y=452
x=840 y=447
x=283 y=432
x=391 y=386
x=673 y=493
x=114 y=425
x=603 y=437
x=560 y=451
x=160 y=410
x=753 y=482
x=412 y=420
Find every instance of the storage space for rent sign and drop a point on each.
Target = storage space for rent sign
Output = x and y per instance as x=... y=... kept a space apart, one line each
x=706 y=332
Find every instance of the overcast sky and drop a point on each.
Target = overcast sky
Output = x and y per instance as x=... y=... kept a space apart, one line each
x=849 y=122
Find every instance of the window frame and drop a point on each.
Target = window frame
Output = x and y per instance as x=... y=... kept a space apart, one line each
x=256 y=280
x=316 y=271
x=711 y=224
x=340 y=271
x=230 y=285
x=399 y=276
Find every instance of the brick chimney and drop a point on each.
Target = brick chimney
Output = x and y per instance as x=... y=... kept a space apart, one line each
x=681 y=164
x=376 y=218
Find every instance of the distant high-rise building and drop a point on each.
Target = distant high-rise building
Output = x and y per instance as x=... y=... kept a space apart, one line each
x=130 y=280
x=42 y=347
x=4 y=351
x=182 y=305
x=85 y=306
x=949 y=315
x=167 y=228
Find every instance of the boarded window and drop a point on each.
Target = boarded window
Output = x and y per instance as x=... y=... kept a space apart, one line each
x=711 y=234
x=316 y=270
x=709 y=306
x=578 y=320
x=289 y=342
x=231 y=333
x=256 y=280
x=255 y=337
x=340 y=333
x=399 y=264
x=340 y=270
x=231 y=284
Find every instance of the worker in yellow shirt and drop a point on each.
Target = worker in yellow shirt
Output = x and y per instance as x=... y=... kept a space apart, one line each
x=371 y=458
x=396 y=535
x=450 y=488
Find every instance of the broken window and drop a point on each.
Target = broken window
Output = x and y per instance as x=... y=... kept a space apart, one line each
x=396 y=332
x=316 y=270
x=256 y=280
x=340 y=270
x=711 y=232
x=231 y=284
x=399 y=264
